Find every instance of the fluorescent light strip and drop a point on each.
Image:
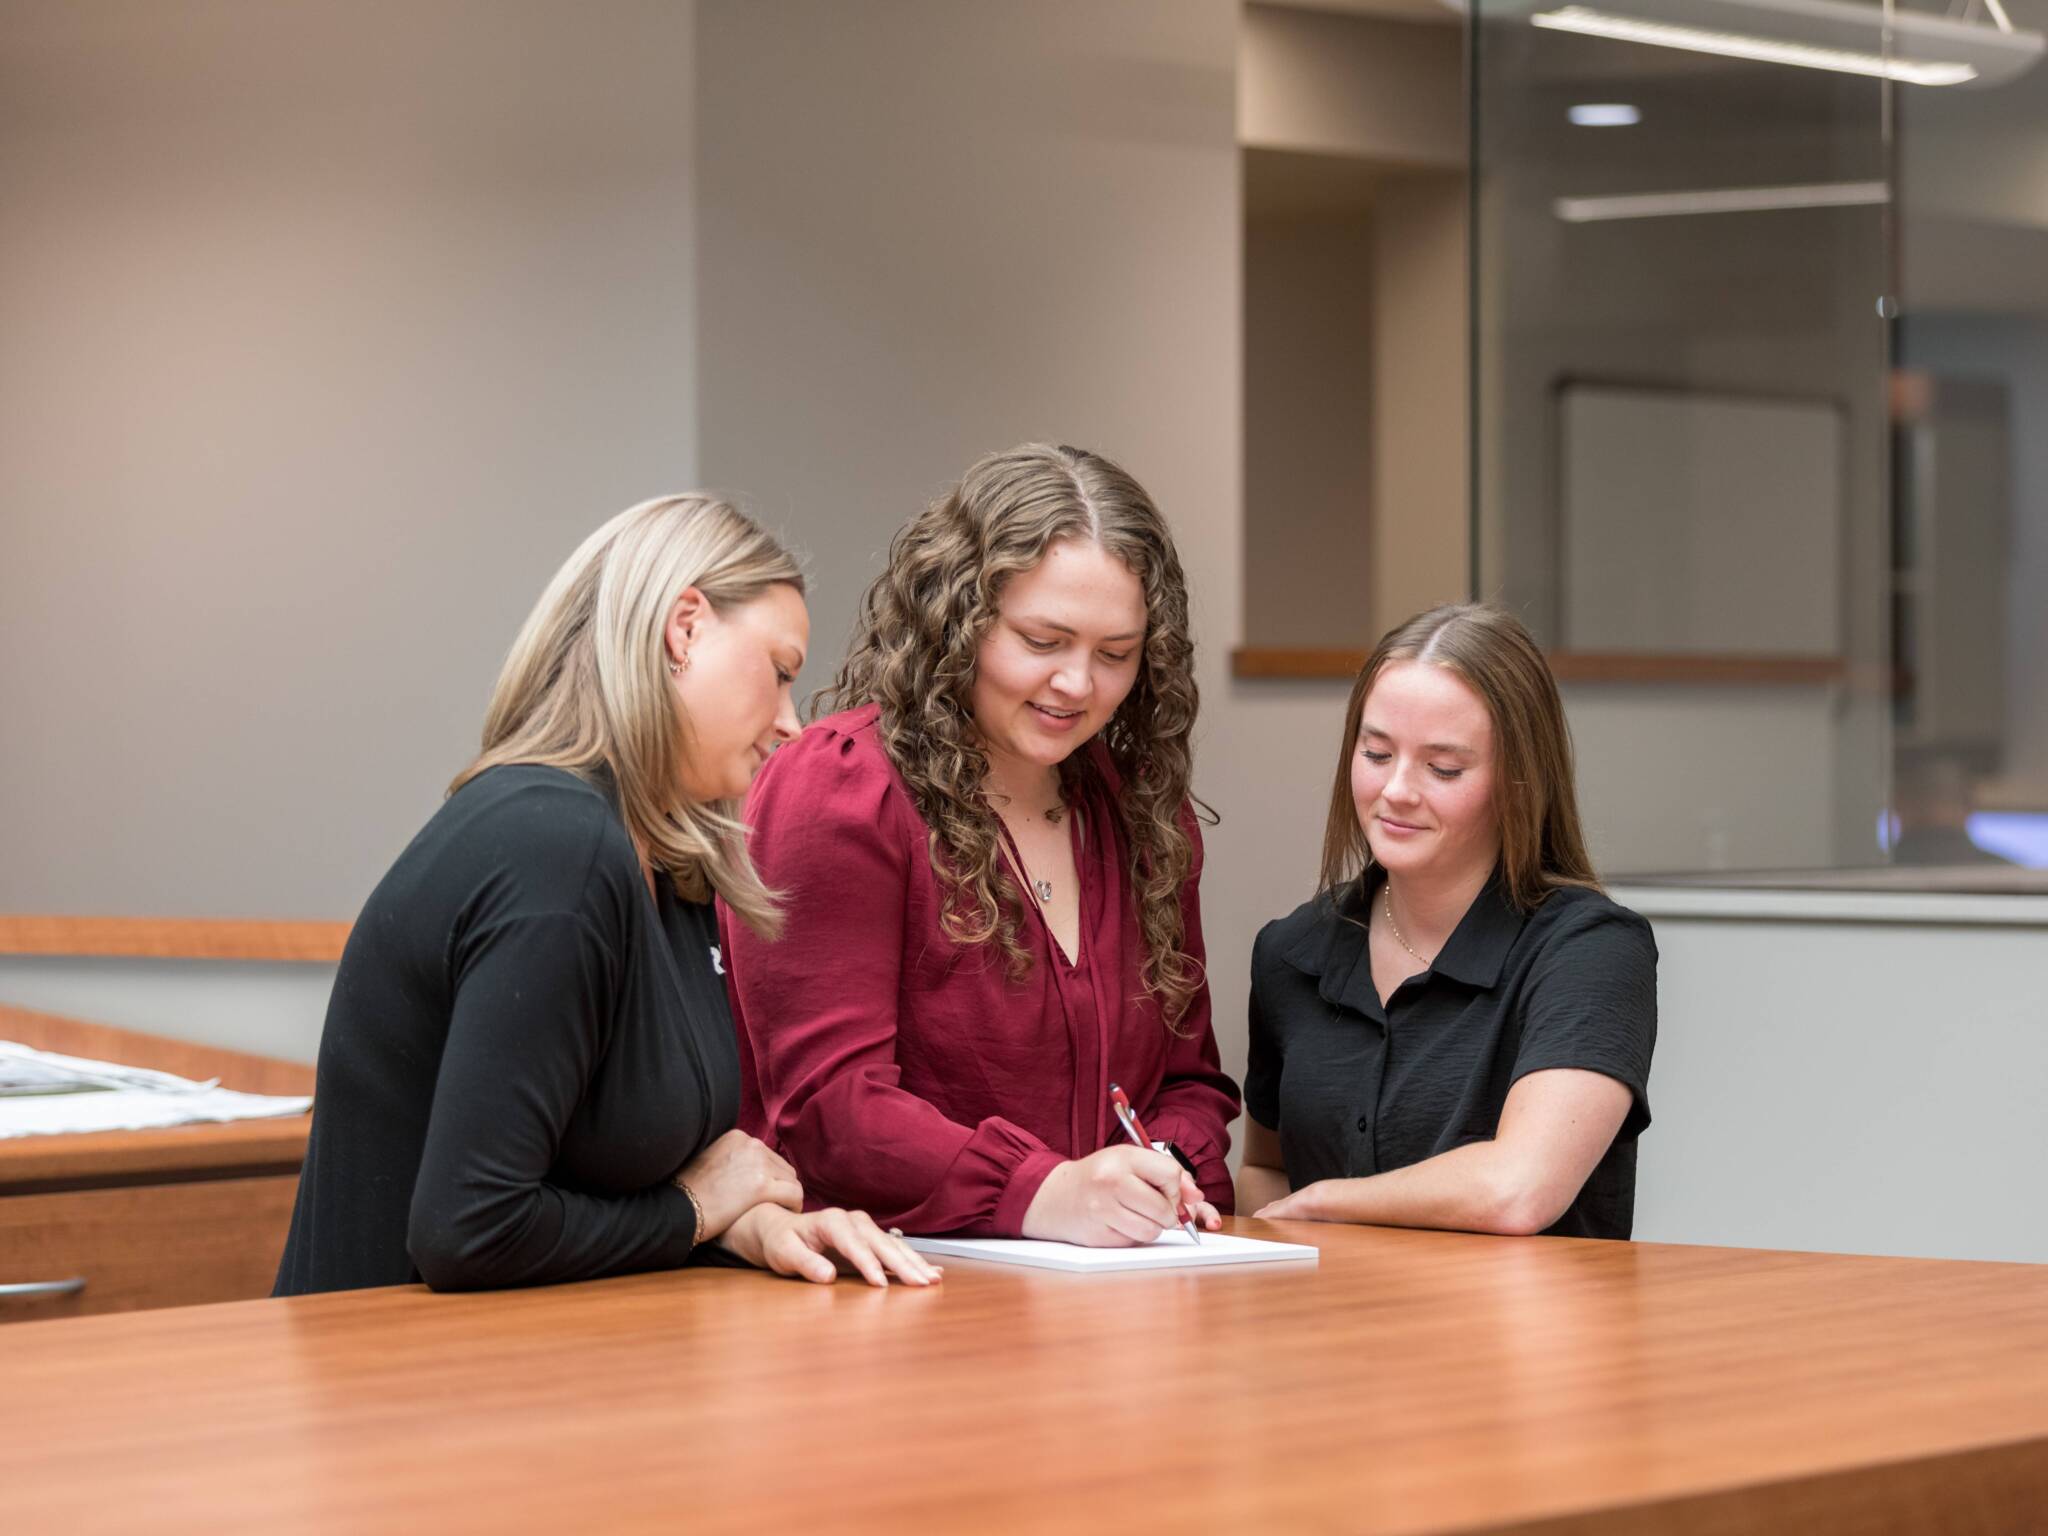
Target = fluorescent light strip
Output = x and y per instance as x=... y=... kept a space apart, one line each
x=1734 y=45
x=1657 y=205
x=1604 y=114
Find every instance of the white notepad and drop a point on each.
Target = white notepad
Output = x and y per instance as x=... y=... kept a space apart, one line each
x=1170 y=1250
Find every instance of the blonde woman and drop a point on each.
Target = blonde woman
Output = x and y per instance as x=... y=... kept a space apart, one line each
x=528 y=1072
x=1456 y=1031
x=989 y=860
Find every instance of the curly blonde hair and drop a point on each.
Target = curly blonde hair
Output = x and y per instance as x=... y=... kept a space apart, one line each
x=914 y=652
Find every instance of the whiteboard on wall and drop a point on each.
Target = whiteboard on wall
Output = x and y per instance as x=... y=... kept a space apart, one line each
x=1698 y=524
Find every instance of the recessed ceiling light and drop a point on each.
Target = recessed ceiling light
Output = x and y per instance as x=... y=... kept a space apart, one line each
x=1604 y=114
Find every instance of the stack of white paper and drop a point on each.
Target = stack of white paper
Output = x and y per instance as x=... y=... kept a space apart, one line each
x=43 y=1093
x=1170 y=1250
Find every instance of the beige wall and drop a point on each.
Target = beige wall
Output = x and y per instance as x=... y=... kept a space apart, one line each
x=1310 y=438
x=1355 y=320
x=1421 y=379
x=328 y=331
x=1366 y=86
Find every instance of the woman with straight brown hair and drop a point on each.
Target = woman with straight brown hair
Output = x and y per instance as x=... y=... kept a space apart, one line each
x=1456 y=1030
x=988 y=860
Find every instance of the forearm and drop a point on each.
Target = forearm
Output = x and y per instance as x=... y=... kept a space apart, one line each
x=461 y=1239
x=1259 y=1185
x=1480 y=1187
x=880 y=1149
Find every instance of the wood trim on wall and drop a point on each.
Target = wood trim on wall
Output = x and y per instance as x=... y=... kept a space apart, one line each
x=1294 y=661
x=173 y=938
x=1309 y=662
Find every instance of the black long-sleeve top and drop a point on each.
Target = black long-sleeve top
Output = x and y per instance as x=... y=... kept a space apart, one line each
x=521 y=1049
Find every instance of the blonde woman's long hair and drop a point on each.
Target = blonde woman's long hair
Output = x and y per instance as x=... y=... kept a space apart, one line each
x=1535 y=798
x=914 y=654
x=587 y=684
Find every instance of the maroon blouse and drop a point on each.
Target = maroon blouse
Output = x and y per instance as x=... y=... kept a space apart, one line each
x=905 y=1074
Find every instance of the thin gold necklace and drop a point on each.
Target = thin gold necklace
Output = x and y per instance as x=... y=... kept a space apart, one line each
x=1396 y=927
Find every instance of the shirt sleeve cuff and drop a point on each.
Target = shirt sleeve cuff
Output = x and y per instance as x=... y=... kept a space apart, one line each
x=1021 y=1190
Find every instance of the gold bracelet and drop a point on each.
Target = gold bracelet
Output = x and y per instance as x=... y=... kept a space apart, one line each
x=695 y=1205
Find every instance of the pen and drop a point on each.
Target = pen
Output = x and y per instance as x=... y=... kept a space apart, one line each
x=1127 y=1117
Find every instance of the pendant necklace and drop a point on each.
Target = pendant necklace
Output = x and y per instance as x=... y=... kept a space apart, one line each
x=1056 y=813
x=1042 y=889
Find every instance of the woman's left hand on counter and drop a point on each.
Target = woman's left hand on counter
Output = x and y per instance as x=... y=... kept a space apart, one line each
x=820 y=1245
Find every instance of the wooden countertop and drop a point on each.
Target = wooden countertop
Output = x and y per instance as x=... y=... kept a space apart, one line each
x=1413 y=1381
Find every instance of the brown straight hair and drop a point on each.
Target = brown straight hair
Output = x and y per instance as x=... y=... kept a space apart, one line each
x=1534 y=796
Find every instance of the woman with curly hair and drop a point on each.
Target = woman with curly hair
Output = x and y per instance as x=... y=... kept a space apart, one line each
x=987 y=861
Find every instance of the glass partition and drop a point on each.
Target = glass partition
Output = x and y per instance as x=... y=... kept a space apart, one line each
x=1750 y=446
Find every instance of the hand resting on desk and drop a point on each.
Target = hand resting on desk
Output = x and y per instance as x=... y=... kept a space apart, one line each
x=819 y=1245
x=752 y=1207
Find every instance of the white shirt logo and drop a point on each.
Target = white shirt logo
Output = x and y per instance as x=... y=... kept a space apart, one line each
x=717 y=961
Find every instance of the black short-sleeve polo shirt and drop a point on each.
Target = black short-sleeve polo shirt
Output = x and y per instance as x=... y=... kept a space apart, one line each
x=1357 y=1087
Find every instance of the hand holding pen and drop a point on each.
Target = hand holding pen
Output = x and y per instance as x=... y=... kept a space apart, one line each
x=1118 y=1197
x=1134 y=1128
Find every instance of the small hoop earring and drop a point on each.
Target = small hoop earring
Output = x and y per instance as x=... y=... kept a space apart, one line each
x=678 y=668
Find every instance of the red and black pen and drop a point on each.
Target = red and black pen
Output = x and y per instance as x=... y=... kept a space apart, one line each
x=1134 y=1128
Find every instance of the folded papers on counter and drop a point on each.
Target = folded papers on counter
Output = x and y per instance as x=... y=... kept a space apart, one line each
x=43 y=1093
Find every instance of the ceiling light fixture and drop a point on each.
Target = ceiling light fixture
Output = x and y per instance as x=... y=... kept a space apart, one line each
x=1857 y=37
x=1588 y=22
x=1604 y=114
x=1659 y=205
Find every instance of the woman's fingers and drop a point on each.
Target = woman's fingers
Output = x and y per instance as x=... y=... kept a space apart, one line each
x=786 y=1193
x=818 y=1245
x=1204 y=1214
x=792 y=1253
x=1136 y=1227
x=1158 y=1170
x=852 y=1244
x=902 y=1260
x=1156 y=1205
x=871 y=1252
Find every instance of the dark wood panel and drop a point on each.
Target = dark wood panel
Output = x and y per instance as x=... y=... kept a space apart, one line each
x=164 y=1245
